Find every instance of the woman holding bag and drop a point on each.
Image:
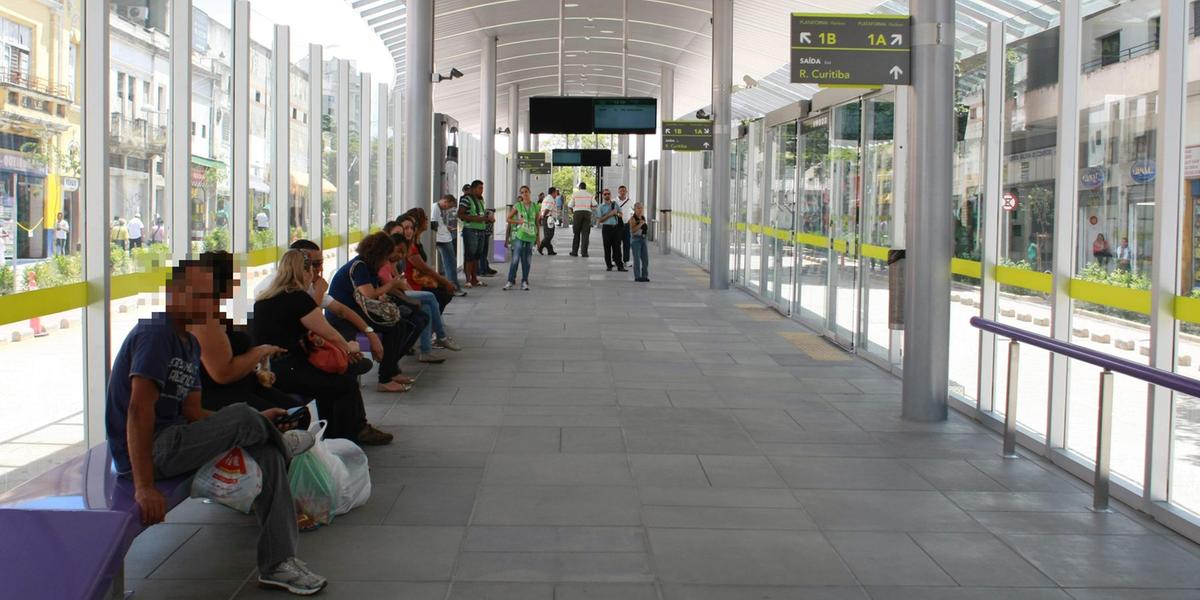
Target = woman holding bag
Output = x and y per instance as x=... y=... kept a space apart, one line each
x=284 y=314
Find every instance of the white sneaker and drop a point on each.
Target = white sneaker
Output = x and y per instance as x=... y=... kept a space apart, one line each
x=446 y=343
x=293 y=575
x=297 y=442
x=525 y=286
x=431 y=358
x=507 y=286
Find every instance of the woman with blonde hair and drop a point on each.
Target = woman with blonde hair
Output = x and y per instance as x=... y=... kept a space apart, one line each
x=284 y=313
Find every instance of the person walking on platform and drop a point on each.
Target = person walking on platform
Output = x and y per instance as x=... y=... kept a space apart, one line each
x=626 y=203
x=549 y=219
x=610 y=222
x=522 y=221
x=581 y=205
x=472 y=212
x=637 y=235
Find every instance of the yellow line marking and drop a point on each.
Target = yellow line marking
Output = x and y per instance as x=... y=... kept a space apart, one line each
x=816 y=347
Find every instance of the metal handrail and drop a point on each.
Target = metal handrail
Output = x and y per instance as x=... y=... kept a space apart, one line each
x=1110 y=364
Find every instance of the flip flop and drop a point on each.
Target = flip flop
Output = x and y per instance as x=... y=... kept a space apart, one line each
x=391 y=387
x=403 y=380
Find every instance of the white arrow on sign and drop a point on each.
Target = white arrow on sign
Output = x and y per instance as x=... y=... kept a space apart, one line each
x=805 y=37
x=896 y=72
x=706 y=145
x=897 y=39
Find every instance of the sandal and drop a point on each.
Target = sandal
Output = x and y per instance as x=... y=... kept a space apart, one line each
x=405 y=380
x=392 y=387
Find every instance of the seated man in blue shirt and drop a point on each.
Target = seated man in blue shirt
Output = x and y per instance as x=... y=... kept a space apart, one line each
x=157 y=428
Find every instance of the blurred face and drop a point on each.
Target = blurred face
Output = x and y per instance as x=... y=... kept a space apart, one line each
x=524 y=194
x=406 y=227
x=194 y=297
x=622 y=191
x=477 y=191
x=607 y=196
x=316 y=263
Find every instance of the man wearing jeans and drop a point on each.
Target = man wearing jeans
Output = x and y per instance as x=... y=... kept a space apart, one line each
x=447 y=233
x=472 y=211
x=157 y=428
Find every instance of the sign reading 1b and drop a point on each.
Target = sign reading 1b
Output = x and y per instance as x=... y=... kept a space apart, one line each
x=851 y=50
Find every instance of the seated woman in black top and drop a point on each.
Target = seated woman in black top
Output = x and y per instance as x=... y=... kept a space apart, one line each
x=284 y=313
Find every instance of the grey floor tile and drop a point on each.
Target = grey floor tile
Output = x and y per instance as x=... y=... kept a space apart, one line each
x=965 y=593
x=215 y=552
x=467 y=590
x=444 y=475
x=838 y=510
x=432 y=504
x=698 y=556
x=667 y=470
x=592 y=440
x=1082 y=523
x=950 y=474
x=557 y=505
x=708 y=517
x=437 y=439
x=377 y=507
x=718 y=497
x=981 y=560
x=380 y=553
x=643 y=397
x=826 y=450
x=1130 y=561
x=183 y=589
x=741 y=472
x=848 y=473
x=446 y=416
x=1140 y=594
x=554 y=567
x=1022 y=501
x=154 y=546
x=554 y=539
x=354 y=590
x=760 y=592
x=605 y=591
x=887 y=559
x=528 y=440
x=1025 y=475
x=558 y=469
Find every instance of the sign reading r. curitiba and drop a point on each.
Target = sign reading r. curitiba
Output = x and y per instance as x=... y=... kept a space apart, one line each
x=851 y=50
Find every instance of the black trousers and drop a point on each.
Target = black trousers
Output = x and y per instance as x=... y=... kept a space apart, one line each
x=443 y=297
x=547 y=238
x=338 y=398
x=612 y=245
x=582 y=226
x=396 y=339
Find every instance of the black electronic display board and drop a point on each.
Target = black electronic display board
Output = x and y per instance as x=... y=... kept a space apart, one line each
x=581 y=158
x=565 y=114
x=560 y=114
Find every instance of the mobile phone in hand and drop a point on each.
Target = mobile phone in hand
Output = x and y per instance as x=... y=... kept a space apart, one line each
x=293 y=415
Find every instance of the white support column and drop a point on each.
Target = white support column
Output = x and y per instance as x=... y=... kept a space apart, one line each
x=418 y=126
x=639 y=186
x=525 y=147
x=929 y=249
x=514 y=121
x=487 y=118
x=722 y=76
x=365 y=153
x=623 y=143
x=991 y=208
x=97 y=258
x=281 y=157
x=1168 y=215
x=240 y=182
x=666 y=91
x=342 y=207
x=561 y=76
x=382 y=212
x=316 y=159
x=1065 y=193
x=179 y=170
x=397 y=203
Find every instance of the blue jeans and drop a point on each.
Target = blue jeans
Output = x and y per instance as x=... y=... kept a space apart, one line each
x=429 y=306
x=641 y=257
x=449 y=265
x=522 y=253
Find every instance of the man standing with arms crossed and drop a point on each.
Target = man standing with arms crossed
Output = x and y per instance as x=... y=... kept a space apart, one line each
x=625 y=203
x=472 y=212
x=582 y=204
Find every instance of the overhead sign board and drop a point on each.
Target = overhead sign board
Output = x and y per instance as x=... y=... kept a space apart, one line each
x=851 y=50
x=687 y=136
x=534 y=162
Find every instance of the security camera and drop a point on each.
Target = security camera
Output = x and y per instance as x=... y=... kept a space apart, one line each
x=455 y=73
x=750 y=82
x=703 y=116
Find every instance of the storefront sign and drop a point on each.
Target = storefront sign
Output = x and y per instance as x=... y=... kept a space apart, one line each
x=70 y=184
x=1010 y=201
x=1142 y=171
x=1091 y=178
x=864 y=50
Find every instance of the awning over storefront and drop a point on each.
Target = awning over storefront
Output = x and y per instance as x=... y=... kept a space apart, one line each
x=207 y=162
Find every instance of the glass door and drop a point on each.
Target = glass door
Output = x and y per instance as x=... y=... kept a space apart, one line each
x=879 y=200
x=738 y=215
x=812 y=222
x=754 y=237
x=845 y=184
x=779 y=228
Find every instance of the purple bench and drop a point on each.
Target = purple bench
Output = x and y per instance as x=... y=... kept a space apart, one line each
x=66 y=531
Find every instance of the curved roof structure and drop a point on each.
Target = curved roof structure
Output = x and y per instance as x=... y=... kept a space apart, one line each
x=599 y=36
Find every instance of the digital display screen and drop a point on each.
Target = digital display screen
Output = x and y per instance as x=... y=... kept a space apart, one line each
x=558 y=114
x=625 y=115
x=581 y=158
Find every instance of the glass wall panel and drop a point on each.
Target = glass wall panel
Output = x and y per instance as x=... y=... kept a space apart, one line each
x=780 y=218
x=299 y=122
x=878 y=211
x=1027 y=231
x=329 y=149
x=210 y=212
x=813 y=220
x=262 y=131
x=375 y=219
x=738 y=214
x=352 y=178
x=967 y=202
x=754 y=206
x=1118 y=93
x=41 y=236
x=845 y=184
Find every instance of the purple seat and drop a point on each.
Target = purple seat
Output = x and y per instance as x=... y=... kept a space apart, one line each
x=67 y=530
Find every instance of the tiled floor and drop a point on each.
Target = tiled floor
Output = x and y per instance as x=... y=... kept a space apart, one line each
x=599 y=438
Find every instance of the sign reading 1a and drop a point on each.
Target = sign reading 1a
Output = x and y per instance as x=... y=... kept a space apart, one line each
x=851 y=50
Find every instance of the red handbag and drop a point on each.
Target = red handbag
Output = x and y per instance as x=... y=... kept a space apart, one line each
x=329 y=358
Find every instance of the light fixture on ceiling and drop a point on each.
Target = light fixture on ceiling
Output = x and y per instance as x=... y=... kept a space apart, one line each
x=607 y=31
x=598 y=69
x=570 y=5
x=571 y=55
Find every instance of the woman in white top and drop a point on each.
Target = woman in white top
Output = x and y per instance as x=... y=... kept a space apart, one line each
x=61 y=231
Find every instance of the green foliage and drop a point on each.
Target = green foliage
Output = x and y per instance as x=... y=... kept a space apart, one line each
x=217 y=240
x=7 y=285
x=150 y=257
x=120 y=260
x=1017 y=264
x=1097 y=273
x=262 y=239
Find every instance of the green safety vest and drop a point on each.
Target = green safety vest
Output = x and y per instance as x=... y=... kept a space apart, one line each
x=477 y=210
x=527 y=231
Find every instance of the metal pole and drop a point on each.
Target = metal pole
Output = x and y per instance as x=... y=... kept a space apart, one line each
x=666 y=90
x=281 y=167
x=316 y=161
x=180 y=170
x=1010 y=407
x=639 y=187
x=97 y=257
x=514 y=122
x=1103 y=443
x=722 y=76
x=927 y=294
x=418 y=122
x=525 y=140
x=342 y=207
x=487 y=118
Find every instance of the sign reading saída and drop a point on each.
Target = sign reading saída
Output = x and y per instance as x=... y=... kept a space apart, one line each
x=851 y=50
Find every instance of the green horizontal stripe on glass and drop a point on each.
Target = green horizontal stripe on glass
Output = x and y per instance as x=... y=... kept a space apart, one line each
x=1024 y=279
x=966 y=268
x=263 y=256
x=815 y=240
x=1123 y=298
x=876 y=252
x=26 y=305
x=1187 y=309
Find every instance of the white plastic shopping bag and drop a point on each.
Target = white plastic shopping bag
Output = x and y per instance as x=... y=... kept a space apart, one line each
x=355 y=488
x=313 y=478
x=232 y=479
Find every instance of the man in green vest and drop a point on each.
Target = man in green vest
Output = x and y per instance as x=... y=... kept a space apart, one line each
x=472 y=212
